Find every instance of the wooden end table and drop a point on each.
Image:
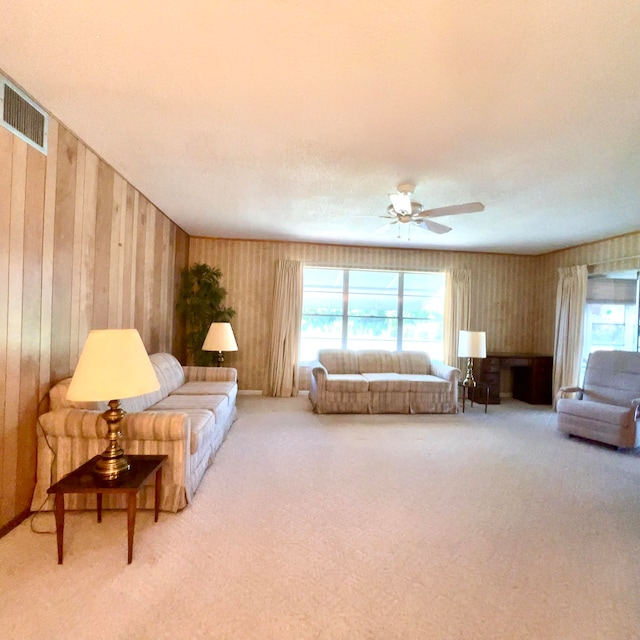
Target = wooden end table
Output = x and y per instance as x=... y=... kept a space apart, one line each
x=82 y=480
x=470 y=392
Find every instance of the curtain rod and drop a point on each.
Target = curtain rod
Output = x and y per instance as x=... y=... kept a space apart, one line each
x=597 y=264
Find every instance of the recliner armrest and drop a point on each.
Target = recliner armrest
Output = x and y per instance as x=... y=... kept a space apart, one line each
x=562 y=391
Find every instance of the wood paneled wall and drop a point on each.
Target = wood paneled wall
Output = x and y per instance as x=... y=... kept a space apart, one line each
x=502 y=301
x=80 y=249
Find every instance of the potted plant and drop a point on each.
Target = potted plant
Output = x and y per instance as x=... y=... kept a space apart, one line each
x=200 y=303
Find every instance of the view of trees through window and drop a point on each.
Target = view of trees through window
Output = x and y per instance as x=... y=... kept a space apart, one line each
x=361 y=309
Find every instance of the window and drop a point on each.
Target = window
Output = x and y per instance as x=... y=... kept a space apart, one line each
x=361 y=309
x=611 y=314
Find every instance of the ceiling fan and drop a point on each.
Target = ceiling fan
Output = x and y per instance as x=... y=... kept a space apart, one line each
x=404 y=210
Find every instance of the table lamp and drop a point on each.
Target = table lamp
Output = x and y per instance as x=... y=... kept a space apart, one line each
x=114 y=364
x=471 y=344
x=220 y=338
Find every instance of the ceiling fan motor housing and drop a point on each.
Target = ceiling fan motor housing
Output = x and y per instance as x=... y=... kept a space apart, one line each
x=406 y=188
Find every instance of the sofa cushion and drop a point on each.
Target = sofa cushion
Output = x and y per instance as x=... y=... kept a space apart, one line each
x=341 y=361
x=179 y=403
x=169 y=371
x=346 y=382
x=58 y=399
x=597 y=411
x=412 y=362
x=427 y=383
x=202 y=388
x=384 y=382
x=375 y=361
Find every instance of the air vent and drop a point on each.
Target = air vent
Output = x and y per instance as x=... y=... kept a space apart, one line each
x=23 y=116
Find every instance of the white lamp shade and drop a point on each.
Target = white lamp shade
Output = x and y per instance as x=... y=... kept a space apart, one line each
x=472 y=344
x=114 y=364
x=220 y=338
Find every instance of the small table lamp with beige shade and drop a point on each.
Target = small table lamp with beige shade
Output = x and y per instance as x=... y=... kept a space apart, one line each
x=220 y=338
x=471 y=344
x=114 y=364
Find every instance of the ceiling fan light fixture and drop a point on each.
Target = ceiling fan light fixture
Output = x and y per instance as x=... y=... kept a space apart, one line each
x=400 y=203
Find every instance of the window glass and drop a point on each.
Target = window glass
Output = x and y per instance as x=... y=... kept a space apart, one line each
x=423 y=335
x=367 y=314
x=373 y=304
x=322 y=310
x=372 y=333
x=611 y=316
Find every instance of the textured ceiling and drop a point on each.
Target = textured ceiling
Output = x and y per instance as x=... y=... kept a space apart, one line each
x=294 y=120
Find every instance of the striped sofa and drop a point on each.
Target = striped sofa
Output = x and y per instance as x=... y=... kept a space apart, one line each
x=187 y=419
x=376 y=381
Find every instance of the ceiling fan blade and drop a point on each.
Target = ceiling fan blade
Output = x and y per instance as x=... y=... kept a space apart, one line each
x=469 y=207
x=401 y=202
x=436 y=227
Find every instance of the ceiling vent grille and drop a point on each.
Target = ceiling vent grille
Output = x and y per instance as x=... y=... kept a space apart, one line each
x=23 y=116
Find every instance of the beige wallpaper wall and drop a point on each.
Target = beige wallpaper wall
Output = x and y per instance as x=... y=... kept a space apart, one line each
x=502 y=300
x=80 y=249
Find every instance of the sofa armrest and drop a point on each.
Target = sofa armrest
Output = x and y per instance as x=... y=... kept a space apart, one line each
x=147 y=425
x=318 y=372
x=444 y=371
x=318 y=380
x=210 y=374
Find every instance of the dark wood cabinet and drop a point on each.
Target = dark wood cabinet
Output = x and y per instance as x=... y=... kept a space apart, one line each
x=532 y=376
x=487 y=370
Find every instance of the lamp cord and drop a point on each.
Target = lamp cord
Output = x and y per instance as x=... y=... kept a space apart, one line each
x=41 y=507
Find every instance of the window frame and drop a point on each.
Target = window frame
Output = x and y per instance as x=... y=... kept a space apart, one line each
x=399 y=318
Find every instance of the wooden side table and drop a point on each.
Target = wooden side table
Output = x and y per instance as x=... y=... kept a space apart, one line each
x=470 y=392
x=82 y=480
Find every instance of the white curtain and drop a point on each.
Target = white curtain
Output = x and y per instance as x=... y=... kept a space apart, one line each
x=570 y=303
x=457 y=311
x=282 y=379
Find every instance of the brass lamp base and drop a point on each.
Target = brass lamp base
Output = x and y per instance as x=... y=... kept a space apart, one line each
x=112 y=464
x=469 y=380
x=111 y=469
x=220 y=359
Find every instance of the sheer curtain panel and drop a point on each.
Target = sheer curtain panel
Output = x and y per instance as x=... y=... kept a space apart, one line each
x=570 y=303
x=282 y=379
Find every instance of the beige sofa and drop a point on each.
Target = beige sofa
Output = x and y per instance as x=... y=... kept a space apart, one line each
x=187 y=419
x=376 y=381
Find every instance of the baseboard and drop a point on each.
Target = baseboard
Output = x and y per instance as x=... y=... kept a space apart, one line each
x=12 y=524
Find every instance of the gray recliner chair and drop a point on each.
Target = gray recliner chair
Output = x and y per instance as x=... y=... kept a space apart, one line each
x=607 y=407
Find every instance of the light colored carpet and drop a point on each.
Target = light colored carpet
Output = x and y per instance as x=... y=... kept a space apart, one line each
x=469 y=526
